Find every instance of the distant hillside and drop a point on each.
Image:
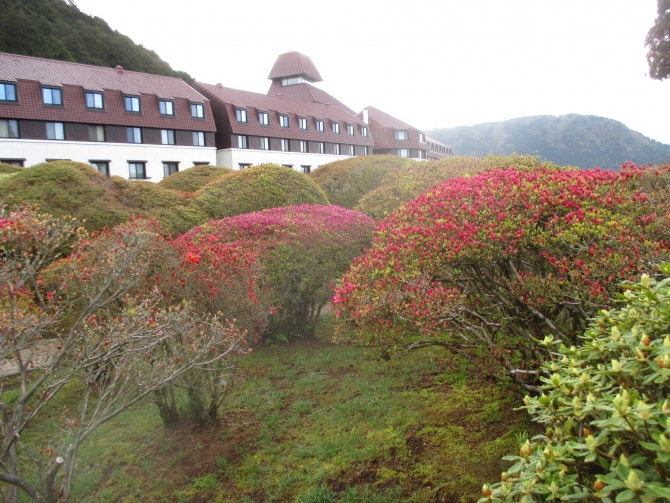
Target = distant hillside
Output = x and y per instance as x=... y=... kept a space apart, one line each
x=57 y=29
x=586 y=141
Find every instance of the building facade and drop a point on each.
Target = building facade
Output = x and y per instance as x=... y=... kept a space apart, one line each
x=131 y=124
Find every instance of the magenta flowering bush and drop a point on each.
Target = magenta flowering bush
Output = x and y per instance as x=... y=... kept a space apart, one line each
x=303 y=249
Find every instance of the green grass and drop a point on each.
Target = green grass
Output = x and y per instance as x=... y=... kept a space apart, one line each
x=314 y=422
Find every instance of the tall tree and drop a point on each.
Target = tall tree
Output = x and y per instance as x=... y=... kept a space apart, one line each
x=658 y=42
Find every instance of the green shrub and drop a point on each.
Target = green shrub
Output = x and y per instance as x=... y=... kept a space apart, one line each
x=258 y=188
x=345 y=182
x=605 y=406
x=194 y=178
x=8 y=168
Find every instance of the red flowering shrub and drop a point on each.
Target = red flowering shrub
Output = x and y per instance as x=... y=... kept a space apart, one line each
x=303 y=249
x=487 y=265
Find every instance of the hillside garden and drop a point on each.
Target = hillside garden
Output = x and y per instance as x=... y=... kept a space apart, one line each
x=497 y=306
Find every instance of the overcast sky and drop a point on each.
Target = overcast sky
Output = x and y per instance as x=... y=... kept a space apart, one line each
x=432 y=63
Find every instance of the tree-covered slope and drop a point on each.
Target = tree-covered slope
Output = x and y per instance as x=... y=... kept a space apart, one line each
x=57 y=29
x=586 y=141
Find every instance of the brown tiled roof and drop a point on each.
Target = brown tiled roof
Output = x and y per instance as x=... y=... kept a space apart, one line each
x=253 y=102
x=386 y=120
x=294 y=64
x=306 y=92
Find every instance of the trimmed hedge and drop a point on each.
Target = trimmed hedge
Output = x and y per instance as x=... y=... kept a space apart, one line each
x=346 y=182
x=8 y=168
x=194 y=178
x=258 y=188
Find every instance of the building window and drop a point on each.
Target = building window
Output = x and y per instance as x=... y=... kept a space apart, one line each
x=291 y=81
x=336 y=149
x=134 y=134
x=198 y=138
x=242 y=142
x=306 y=169
x=288 y=165
x=241 y=115
x=265 y=143
x=351 y=150
x=422 y=138
x=138 y=170
x=96 y=133
x=284 y=145
x=52 y=96
x=13 y=162
x=402 y=135
x=364 y=131
x=166 y=107
x=132 y=104
x=431 y=146
x=7 y=92
x=365 y=150
x=264 y=118
x=319 y=126
x=94 y=100
x=9 y=128
x=322 y=148
x=167 y=137
x=197 y=110
x=243 y=165
x=302 y=122
x=55 y=131
x=200 y=163
x=336 y=127
x=350 y=129
x=101 y=166
x=283 y=120
x=170 y=168
x=403 y=152
x=303 y=146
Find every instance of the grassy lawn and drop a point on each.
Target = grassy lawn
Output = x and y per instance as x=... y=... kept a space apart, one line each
x=315 y=422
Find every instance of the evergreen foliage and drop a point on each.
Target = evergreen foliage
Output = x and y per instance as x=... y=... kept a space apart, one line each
x=192 y=179
x=658 y=42
x=258 y=188
x=57 y=29
x=8 y=168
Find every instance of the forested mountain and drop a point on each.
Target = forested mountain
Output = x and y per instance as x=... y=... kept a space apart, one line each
x=586 y=141
x=57 y=29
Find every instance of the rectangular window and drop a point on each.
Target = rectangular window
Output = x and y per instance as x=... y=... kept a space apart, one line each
x=134 y=134
x=284 y=145
x=13 y=162
x=365 y=150
x=94 y=100
x=351 y=150
x=131 y=104
x=322 y=148
x=166 y=107
x=283 y=120
x=55 y=131
x=350 y=129
x=138 y=170
x=287 y=165
x=9 y=128
x=7 y=92
x=96 y=133
x=402 y=135
x=197 y=110
x=303 y=146
x=422 y=138
x=302 y=122
x=241 y=142
x=170 y=168
x=336 y=127
x=336 y=149
x=167 y=136
x=264 y=118
x=52 y=96
x=265 y=143
x=243 y=165
x=364 y=131
x=101 y=166
x=241 y=115
x=403 y=152
x=319 y=126
x=306 y=169
x=198 y=138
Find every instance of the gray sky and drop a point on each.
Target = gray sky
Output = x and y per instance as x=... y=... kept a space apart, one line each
x=432 y=63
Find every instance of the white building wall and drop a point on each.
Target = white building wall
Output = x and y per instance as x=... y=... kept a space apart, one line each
x=118 y=154
x=233 y=157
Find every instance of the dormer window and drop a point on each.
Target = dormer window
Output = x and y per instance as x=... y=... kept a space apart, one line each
x=52 y=96
x=241 y=115
x=7 y=92
x=422 y=138
x=264 y=118
x=401 y=135
x=319 y=125
x=292 y=81
x=350 y=129
x=302 y=122
x=94 y=100
x=132 y=104
x=336 y=127
x=166 y=107
x=283 y=120
x=364 y=131
x=197 y=110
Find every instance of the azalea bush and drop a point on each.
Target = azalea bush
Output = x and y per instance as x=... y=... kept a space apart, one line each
x=303 y=250
x=488 y=265
x=192 y=179
x=605 y=406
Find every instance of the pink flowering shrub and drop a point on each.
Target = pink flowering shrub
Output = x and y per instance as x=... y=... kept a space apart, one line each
x=303 y=249
x=488 y=265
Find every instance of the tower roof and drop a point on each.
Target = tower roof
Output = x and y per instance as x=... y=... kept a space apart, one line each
x=295 y=64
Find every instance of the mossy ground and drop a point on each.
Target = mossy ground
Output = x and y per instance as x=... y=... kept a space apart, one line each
x=314 y=422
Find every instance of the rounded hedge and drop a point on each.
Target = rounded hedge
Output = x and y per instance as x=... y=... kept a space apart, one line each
x=258 y=188
x=8 y=168
x=346 y=182
x=194 y=178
